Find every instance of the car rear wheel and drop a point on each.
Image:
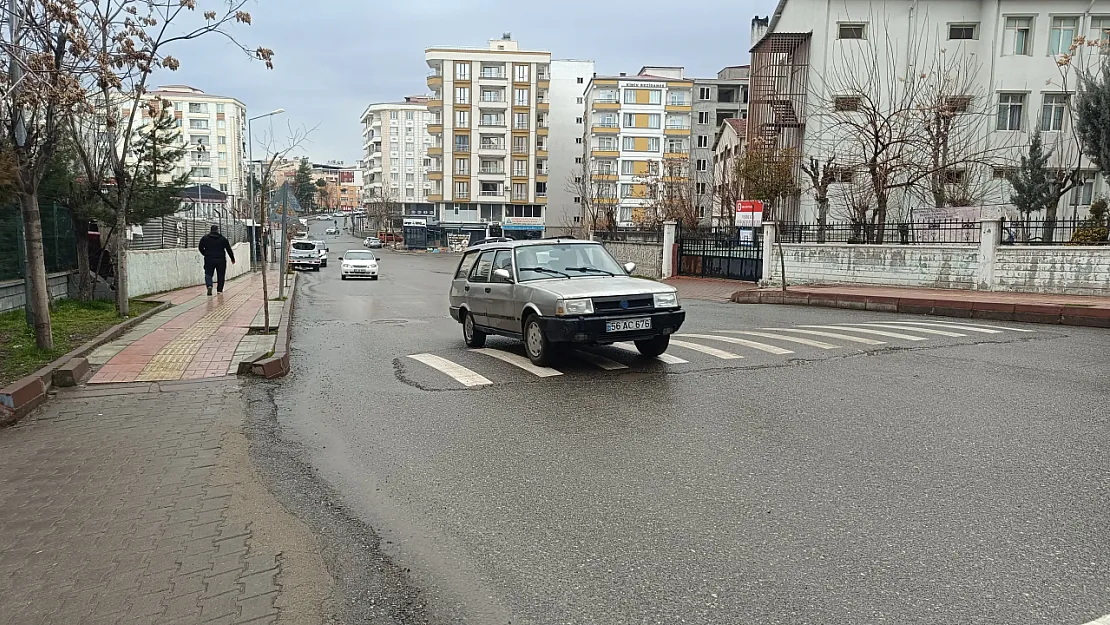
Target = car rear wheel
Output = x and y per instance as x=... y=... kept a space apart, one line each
x=472 y=336
x=536 y=345
x=654 y=347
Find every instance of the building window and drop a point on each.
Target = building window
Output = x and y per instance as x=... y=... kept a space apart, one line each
x=201 y=172
x=963 y=31
x=462 y=190
x=520 y=191
x=1052 y=112
x=701 y=188
x=1100 y=32
x=678 y=98
x=607 y=96
x=1084 y=193
x=462 y=119
x=195 y=107
x=393 y=115
x=1018 y=40
x=853 y=30
x=462 y=143
x=1062 y=35
x=846 y=103
x=578 y=120
x=577 y=200
x=410 y=163
x=578 y=140
x=703 y=117
x=628 y=168
x=222 y=140
x=703 y=141
x=520 y=97
x=520 y=145
x=704 y=93
x=409 y=115
x=198 y=124
x=641 y=144
x=643 y=96
x=462 y=71
x=580 y=100
x=462 y=95
x=462 y=166
x=703 y=164
x=520 y=121
x=219 y=108
x=607 y=144
x=577 y=160
x=541 y=189
x=520 y=73
x=1010 y=110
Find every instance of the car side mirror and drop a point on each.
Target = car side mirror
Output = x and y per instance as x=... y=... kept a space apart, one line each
x=502 y=275
x=340 y=258
x=629 y=267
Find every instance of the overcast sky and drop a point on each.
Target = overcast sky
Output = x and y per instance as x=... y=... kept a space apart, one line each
x=333 y=57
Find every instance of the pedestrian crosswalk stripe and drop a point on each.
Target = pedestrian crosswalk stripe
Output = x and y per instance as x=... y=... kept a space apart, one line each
x=1101 y=621
x=601 y=361
x=459 y=373
x=993 y=327
x=519 y=361
x=893 y=335
x=712 y=351
x=763 y=347
x=831 y=335
x=953 y=326
x=789 y=339
x=667 y=358
x=921 y=330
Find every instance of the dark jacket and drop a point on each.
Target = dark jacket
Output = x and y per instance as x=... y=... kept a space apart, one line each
x=212 y=247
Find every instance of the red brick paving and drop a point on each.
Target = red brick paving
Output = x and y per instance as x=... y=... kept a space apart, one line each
x=713 y=289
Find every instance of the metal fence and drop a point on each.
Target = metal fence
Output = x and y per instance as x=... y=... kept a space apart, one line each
x=178 y=233
x=925 y=232
x=1055 y=232
x=629 y=236
x=59 y=239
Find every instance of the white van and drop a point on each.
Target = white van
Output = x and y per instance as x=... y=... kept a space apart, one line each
x=304 y=254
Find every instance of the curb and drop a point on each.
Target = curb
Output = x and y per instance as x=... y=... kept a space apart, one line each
x=24 y=395
x=1000 y=311
x=278 y=365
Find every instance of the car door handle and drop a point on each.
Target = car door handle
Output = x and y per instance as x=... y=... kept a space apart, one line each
x=487 y=289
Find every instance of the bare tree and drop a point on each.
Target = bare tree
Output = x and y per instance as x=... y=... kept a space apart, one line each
x=597 y=195
x=672 y=193
x=821 y=174
x=381 y=209
x=129 y=40
x=766 y=173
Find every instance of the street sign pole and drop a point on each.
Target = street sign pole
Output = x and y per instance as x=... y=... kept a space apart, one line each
x=284 y=253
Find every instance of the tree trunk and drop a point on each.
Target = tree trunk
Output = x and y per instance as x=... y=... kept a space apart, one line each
x=39 y=296
x=86 y=282
x=1050 y=222
x=880 y=219
x=822 y=217
x=123 y=302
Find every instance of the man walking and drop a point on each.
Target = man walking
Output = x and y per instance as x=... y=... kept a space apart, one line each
x=212 y=247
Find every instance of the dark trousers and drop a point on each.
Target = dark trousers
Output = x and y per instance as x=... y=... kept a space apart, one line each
x=220 y=270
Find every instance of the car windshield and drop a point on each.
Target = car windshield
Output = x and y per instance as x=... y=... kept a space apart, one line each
x=304 y=245
x=358 y=255
x=564 y=260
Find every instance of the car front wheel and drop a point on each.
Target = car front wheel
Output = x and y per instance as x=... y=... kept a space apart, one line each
x=536 y=345
x=471 y=334
x=655 y=346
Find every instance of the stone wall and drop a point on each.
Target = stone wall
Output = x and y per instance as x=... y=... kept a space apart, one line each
x=647 y=256
x=1053 y=269
x=943 y=267
x=155 y=271
x=11 y=291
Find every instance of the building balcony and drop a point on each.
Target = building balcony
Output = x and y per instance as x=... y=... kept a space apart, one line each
x=435 y=175
x=543 y=83
x=435 y=104
x=605 y=129
x=435 y=129
x=435 y=150
x=491 y=150
x=597 y=153
x=493 y=104
x=435 y=80
x=676 y=130
x=435 y=197
x=491 y=173
x=679 y=108
x=543 y=106
x=492 y=195
x=541 y=177
x=606 y=105
x=492 y=123
x=676 y=155
x=493 y=76
x=543 y=131
x=605 y=177
x=541 y=199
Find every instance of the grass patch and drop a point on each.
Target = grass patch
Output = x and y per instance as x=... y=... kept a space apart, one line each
x=278 y=299
x=74 y=323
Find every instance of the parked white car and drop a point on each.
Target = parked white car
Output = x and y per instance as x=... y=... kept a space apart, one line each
x=332 y=231
x=322 y=249
x=359 y=264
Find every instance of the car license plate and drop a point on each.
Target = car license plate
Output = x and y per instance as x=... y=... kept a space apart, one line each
x=625 y=325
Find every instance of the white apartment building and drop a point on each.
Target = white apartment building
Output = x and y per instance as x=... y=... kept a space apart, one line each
x=395 y=162
x=215 y=131
x=565 y=154
x=637 y=131
x=1003 y=58
x=491 y=112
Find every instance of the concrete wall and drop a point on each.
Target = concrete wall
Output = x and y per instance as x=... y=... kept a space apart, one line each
x=155 y=271
x=11 y=291
x=1053 y=269
x=647 y=256
x=943 y=267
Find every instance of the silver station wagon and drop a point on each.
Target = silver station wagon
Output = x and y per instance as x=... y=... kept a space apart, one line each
x=556 y=292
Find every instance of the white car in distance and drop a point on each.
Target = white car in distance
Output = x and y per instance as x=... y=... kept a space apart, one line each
x=359 y=264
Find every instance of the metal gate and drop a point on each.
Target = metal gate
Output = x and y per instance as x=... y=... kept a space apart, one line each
x=721 y=254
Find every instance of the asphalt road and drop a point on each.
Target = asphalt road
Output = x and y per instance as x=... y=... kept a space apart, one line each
x=949 y=479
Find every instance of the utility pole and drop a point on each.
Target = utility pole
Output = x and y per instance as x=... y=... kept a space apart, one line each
x=284 y=253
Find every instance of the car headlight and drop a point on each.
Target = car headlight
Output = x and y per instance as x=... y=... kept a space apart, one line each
x=666 y=300
x=584 y=306
x=346 y=266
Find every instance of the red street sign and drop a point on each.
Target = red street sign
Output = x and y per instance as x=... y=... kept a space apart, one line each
x=749 y=213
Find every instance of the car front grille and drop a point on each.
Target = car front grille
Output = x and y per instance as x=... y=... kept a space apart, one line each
x=613 y=304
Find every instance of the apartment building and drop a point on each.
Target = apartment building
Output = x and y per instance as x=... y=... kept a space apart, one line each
x=715 y=100
x=727 y=151
x=1005 y=57
x=637 y=136
x=214 y=131
x=490 y=129
x=396 y=164
x=568 y=123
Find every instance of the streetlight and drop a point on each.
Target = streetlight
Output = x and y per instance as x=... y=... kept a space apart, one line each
x=250 y=157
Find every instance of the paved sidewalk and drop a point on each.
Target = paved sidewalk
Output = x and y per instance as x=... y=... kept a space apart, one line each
x=713 y=289
x=201 y=336
x=1032 y=307
x=138 y=504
